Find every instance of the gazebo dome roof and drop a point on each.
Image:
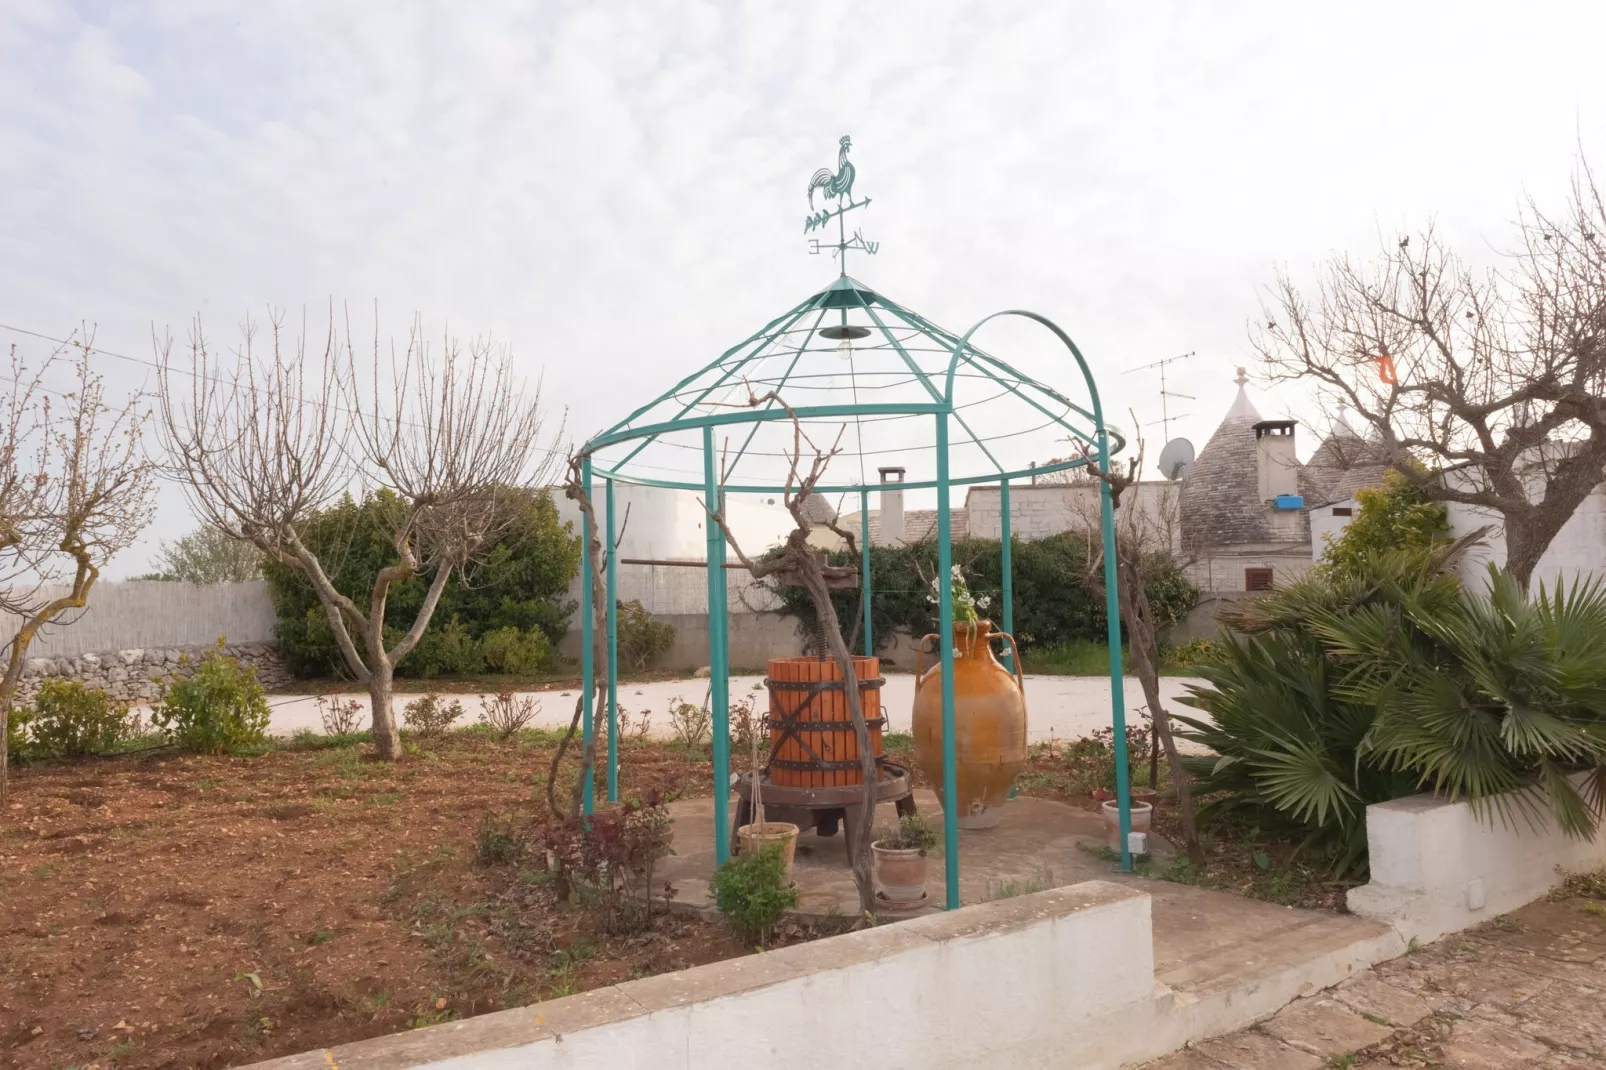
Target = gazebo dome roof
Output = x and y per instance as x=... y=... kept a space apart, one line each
x=864 y=374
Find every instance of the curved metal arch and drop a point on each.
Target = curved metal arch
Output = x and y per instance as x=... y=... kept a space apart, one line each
x=1111 y=581
x=1081 y=362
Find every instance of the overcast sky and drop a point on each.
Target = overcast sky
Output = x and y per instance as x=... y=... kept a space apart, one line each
x=616 y=190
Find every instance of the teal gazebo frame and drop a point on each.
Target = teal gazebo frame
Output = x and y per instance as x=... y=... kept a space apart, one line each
x=925 y=367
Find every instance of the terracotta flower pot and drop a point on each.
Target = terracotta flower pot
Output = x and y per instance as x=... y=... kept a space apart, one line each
x=1148 y=796
x=1142 y=814
x=900 y=876
x=756 y=837
x=989 y=726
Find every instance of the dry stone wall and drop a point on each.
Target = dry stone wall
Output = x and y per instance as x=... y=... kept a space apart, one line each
x=141 y=676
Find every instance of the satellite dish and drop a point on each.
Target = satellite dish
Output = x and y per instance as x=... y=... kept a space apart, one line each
x=1175 y=458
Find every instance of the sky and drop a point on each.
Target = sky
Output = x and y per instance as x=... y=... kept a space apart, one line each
x=616 y=190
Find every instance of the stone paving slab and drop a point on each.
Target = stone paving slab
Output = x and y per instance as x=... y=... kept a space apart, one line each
x=1250 y=1050
x=1525 y=992
x=1324 y=1027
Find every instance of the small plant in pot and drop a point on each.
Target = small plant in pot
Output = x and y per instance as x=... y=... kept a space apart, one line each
x=899 y=859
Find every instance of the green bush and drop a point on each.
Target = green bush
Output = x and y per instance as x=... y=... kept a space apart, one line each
x=519 y=653
x=1395 y=516
x=220 y=708
x=752 y=892
x=430 y=715
x=69 y=720
x=17 y=733
x=521 y=581
x=641 y=639
x=1355 y=686
x=1053 y=603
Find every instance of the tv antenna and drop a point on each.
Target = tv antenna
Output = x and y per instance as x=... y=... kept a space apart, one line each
x=1165 y=394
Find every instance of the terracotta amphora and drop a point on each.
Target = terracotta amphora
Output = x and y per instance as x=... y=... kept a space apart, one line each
x=989 y=724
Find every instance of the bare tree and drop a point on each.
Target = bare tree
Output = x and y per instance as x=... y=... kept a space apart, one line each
x=1143 y=541
x=806 y=566
x=1065 y=477
x=1486 y=388
x=261 y=447
x=206 y=555
x=574 y=489
x=75 y=489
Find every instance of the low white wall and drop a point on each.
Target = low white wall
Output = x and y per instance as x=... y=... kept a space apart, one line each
x=1055 y=979
x=1438 y=867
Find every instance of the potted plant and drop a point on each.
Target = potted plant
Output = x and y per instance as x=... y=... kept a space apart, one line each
x=899 y=862
x=1142 y=815
x=1148 y=796
x=760 y=834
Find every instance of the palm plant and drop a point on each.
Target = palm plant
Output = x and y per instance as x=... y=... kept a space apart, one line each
x=1355 y=687
x=1500 y=701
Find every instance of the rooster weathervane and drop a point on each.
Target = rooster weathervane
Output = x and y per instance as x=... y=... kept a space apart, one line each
x=837 y=186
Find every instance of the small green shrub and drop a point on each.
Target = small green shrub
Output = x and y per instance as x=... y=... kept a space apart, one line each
x=494 y=841
x=641 y=639
x=752 y=892
x=911 y=833
x=430 y=716
x=17 y=733
x=1187 y=655
x=220 y=708
x=521 y=653
x=70 y=720
x=1396 y=516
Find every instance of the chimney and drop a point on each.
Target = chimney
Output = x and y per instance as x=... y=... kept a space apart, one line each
x=891 y=507
x=1274 y=454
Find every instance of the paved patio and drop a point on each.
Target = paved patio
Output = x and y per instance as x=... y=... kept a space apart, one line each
x=1039 y=844
x=1209 y=947
x=1525 y=992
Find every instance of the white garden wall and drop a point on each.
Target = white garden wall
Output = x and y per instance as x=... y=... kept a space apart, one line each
x=1062 y=978
x=1439 y=867
x=141 y=614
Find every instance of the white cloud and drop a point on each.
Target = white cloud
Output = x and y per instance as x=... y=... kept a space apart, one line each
x=617 y=189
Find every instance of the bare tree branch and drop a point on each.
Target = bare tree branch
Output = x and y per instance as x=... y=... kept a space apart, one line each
x=1485 y=388
x=76 y=490
x=262 y=445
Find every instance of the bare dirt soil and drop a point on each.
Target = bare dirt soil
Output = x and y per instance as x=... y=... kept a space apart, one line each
x=170 y=911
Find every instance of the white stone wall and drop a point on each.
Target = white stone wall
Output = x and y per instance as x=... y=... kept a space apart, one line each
x=1325 y=525
x=1438 y=867
x=141 y=614
x=1225 y=574
x=1040 y=510
x=1058 y=978
x=1578 y=549
x=669 y=524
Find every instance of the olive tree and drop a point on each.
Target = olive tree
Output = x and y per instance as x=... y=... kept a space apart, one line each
x=263 y=441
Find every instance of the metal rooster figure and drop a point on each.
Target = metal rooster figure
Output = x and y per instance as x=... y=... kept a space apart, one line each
x=840 y=184
x=838 y=187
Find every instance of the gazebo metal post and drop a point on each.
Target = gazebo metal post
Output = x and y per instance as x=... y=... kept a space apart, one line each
x=864 y=568
x=718 y=650
x=588 y=629
x=611 y=554
x=1112 y=610
x=945 y=643
x=1006 y=567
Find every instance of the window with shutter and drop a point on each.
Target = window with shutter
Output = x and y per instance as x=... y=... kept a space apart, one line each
x=1257 y=579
